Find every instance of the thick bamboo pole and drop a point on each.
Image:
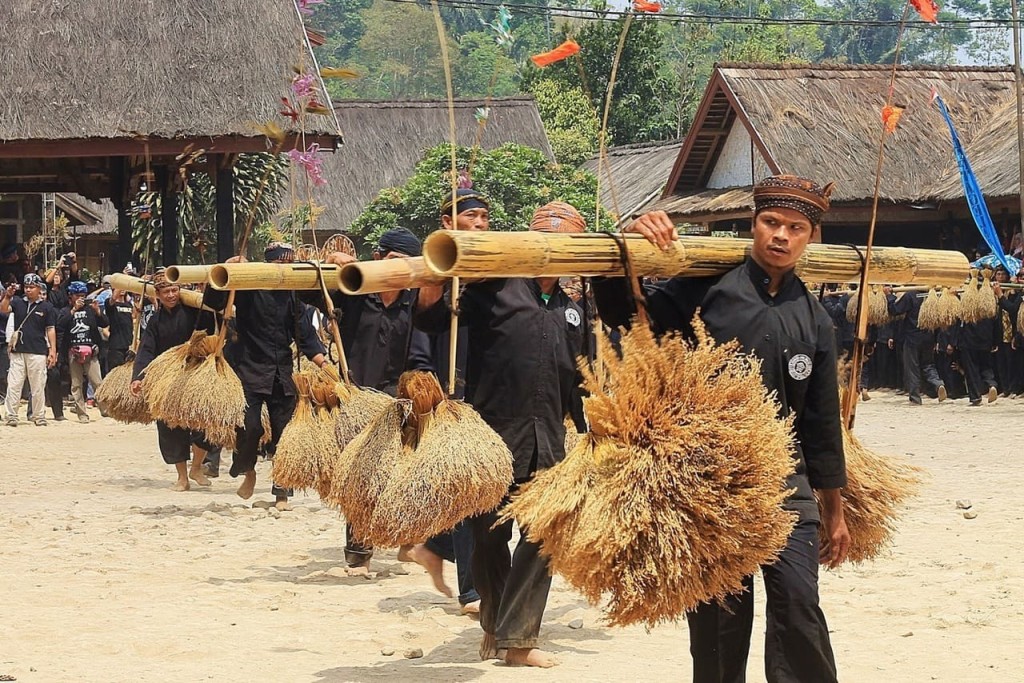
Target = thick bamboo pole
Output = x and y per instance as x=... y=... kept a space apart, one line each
x=371 y=277
x=291 y=276
x=187 y=275
x=536 y=254
x=137 y=285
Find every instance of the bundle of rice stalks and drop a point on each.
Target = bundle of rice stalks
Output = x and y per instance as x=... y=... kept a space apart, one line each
x=930 y=316
x=453 y=466
x=878 y=307
x=207 y=395
x=988 y=307
x=1020 y=318
x=116 y=397
x=877 y=488
x=852 y=304
x=970 y=301
x=687 y=461
x=164 y=375
x=949 y=308
x=294 y=460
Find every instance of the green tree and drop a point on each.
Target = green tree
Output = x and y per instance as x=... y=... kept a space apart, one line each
x=484 y=68
x=516 y=179
x=197 y=231
x=570 y=121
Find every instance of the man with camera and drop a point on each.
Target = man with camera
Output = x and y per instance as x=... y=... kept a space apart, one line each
x=81 y=331
x=32 y=347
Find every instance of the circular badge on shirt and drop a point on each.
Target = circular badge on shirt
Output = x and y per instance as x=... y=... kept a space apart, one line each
x=572 y=317
x=800 y=366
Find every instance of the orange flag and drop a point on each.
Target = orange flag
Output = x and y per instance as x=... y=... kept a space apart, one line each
x=563 y=51
x=644 y=6
x=891 y=117
x=928 y=10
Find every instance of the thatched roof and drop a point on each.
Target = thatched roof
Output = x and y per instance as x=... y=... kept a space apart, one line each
x=993 y=156
x=385 y=140
x=116 y=69
x=823 y=121
x=637 y=172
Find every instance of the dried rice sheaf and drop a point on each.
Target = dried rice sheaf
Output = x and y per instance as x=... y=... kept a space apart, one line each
x=1020 y=318
x=686 y=461
x=878 y=307
x=930 y=315
x=978 y=301
x=295 y=457
x=116 y=397
x=949 y=308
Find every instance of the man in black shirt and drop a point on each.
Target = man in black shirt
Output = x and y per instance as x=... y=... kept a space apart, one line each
x=766 y=307
x=379 y=340
x=524 y=337
x=976 y=345
x=918 y=347
x=119 y=311
x=81 y=344
x=33 y=348
x=266 y=324
x=172 y=324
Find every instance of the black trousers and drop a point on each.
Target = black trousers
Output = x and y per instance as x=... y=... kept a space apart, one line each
x=55 y=391
x=357 y=553
x=116 y=358
x=247 y=443
x=797 y=646
x=978 y=372
x=457 y=546
x=5 y=365
x=513 y=587
x=919 y=359
x=176 y=443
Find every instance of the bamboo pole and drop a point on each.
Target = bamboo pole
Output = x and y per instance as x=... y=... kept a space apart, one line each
x=536 y=254
x=136 y=285
x=187 y=275
x=388 y=275
x=290 y=276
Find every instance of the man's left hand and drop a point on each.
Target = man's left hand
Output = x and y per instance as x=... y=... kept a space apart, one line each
x=51 y=359
x=836 y=545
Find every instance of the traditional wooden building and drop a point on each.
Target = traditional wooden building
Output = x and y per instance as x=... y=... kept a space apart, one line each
x=634 y=176
x=824 y=121
x=102 y=95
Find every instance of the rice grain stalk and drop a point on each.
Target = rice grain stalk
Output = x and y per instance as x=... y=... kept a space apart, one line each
x=365 y=465
x=852 y=304
x=930 y=315
x=949 y=308
x=454 y=466
x=162 y=378
x=970 y=307
x=988 y=307
x=294 y=460
x=878 y=307
x=116 y=397
x=692 y=465
x=1020 y=318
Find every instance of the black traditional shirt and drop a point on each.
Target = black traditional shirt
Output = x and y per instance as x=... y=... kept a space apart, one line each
x=32 y=319
x=379 y=339
x=81 y=328
x=792 y=335
x=909 y=306
x=121 y=324
x=521 y=373
x=168 y=327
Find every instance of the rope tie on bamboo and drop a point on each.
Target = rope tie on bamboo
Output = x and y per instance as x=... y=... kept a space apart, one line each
x=639 y=300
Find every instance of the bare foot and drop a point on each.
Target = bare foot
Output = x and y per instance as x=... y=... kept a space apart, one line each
x=522 y=656
x=248 y=485
x=434 y=565
x=403 y=554
x=281 y=503
x=471 y=608
x=196 y=475
x=489 y=648
x=180 y=485
x=361 y=570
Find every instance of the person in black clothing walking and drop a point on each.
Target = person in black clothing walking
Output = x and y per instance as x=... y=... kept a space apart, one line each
x=765 y=306
x=120 y=313
x=918 y=347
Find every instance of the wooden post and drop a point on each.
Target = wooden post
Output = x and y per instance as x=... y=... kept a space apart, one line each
x=122 y=202
x=168 y=216
x=225 y=209
x=1017 y=76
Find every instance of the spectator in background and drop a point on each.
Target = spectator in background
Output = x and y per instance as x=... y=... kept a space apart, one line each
x=33 y=347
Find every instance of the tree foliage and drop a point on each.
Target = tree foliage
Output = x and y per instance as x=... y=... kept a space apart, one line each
x=516 y=179
x=570 y=121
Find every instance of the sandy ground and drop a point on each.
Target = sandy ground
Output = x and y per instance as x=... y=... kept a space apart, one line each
x=107 y=575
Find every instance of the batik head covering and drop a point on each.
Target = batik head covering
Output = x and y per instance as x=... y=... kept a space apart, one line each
x=465 y=200
x=558 y=217
x=793 y=192
x=159 y=279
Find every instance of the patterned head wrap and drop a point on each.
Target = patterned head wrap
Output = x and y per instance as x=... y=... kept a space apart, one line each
x=558 y=217
x=32 y=280
x=159 y=280
x=465 y=199
x=793 y=192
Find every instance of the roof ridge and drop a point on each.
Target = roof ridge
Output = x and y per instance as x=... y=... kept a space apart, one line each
x=862 y=67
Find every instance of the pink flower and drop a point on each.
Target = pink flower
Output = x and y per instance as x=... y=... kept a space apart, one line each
x=302 y=85
x=306 y=6
x=310 y=160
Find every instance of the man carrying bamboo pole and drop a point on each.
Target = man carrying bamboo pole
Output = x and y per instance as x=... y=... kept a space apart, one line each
x=766 y=307
x=918 y=347
x=266 y=324
x=524 y=337
x=380 y=344
x=172 y=324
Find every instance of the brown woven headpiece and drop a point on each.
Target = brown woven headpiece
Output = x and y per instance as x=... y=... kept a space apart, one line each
x=159 y=279
x=558 y=217
x=793 y=192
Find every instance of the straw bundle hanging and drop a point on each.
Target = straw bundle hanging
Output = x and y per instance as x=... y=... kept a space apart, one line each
x=454 y=466
x=294 y=457
x=1020 y=318
x=988 y=307
x=930 y=315
x=949 y=308
x=116 y=397
x=878 y=307
x=164 y=375
x=852 y=304
x=208 y=395
x=970 y=304
x=687 y=462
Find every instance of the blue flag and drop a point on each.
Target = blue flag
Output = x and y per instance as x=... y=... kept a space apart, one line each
x=973 y=193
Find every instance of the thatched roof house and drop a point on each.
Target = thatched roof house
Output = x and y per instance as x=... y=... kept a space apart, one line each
x=823 y=121
x=385 y=140
x=638 y=174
